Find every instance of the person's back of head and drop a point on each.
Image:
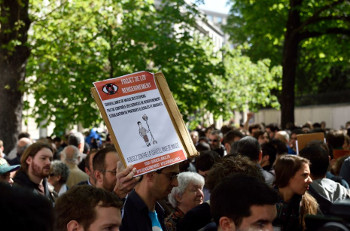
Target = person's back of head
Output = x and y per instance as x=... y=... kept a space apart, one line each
x=317 y=154
x=79 y=205
x=269 y=150
x=70 y=154
x=24 y=210
x=250 y=147
x=335 y=139
x=206 y=160
x=235 y=197
x=232 y=136
x=98 y=161
x=76 y=139
x=230 y=165
x=281 y=147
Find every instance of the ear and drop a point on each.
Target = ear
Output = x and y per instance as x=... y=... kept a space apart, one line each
x=260 y=156
x=87 y=171
x=178 y=197
x=226 y=224
x=227 y=147
x=73 y=225
x=98 y=176
x=29 y=160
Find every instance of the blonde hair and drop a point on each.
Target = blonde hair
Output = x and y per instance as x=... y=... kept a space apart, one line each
x=308 y=206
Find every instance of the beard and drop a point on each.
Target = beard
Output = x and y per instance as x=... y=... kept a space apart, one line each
x=40 y=172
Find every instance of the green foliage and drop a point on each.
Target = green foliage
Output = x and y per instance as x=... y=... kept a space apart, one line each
x=324 y=36
x=82 y=41
x=249 y=84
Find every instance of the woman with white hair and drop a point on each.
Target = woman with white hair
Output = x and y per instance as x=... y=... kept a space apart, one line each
x=187 y=195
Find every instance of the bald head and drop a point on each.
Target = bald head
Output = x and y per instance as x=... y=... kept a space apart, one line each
x=23 y=144
x=70 y=154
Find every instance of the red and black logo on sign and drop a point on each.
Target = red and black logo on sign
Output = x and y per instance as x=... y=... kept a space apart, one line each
x=110 y=89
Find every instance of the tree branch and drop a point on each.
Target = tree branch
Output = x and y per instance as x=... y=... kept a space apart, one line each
x=315 y=17
x=333 y=30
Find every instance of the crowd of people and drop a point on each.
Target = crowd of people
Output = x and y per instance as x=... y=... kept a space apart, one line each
x=248 y=178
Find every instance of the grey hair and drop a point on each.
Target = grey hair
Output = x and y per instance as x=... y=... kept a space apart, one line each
x=76 y=138
x=71 y=159
x=184 y=179
x=58 y=168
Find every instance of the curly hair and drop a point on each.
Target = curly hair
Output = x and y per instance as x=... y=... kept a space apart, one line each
x=58 y=168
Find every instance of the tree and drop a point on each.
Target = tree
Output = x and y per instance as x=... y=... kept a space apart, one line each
x=87 y=40
x=14 y=52
x=282 y=30
x=248 y=85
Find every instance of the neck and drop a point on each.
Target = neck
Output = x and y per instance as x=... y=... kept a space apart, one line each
x=33 y=178
x=183 y=208
x=286 y=193
x=146 y=196
x=57 y=188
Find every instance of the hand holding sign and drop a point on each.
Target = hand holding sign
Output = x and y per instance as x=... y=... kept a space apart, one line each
x=125 y=180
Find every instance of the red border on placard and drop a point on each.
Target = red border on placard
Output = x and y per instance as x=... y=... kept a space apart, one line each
x=153 y=164
x=118 y=82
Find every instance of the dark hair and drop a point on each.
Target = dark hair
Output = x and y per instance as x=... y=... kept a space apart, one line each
x=229 y=165
x=32 y=150
x=79 y=204
x=281 y=147
x=250 y=147
x=231 y=135
x=206 y=160
x=273 y=127
x=269 y=150
x=335 y=139
x=202 y=146
x=21 y=209
x=285 y=168
x=256 y=134
x=23 y=135
x=253 y=126
x=75 y=139
x=98 y=161
x=234 y=196
x=319 y=158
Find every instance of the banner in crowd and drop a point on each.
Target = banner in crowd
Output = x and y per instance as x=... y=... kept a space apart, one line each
x=139 y=114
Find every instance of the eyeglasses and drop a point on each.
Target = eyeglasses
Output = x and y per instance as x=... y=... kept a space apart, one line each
x=170 y=175
x=213 y=140
x=51 y=174
x=114 y=172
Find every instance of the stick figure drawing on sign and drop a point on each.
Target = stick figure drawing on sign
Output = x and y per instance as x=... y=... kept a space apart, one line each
x=143 y=131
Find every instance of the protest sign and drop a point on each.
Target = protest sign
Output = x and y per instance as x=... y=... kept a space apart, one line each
x=145 y=124
x=304 y=139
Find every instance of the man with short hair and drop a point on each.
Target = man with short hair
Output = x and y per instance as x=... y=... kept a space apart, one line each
x=236 y=205
x=70 y=155
x=87 y=208
x=22 y=144
x=110 y=175
x=231 y=137
x=141 y=209
x=215 y=138
x=89 y=170
x=35 y=168
x=250 y=147
x=324 y=190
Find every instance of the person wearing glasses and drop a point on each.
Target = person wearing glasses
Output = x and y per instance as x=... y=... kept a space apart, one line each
x=58 y=176
x=215 y=139
x=142 y=212
x=110 y=175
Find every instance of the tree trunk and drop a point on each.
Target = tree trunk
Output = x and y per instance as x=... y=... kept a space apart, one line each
x=13 y=59
x=289 y=63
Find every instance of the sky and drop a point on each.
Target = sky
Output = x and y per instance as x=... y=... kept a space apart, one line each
x=215 y=5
